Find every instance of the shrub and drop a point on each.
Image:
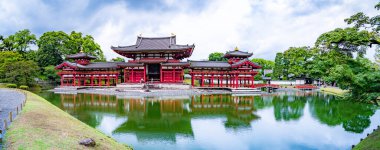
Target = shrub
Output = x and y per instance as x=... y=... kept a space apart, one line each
x=11 y=86
x=24 y=87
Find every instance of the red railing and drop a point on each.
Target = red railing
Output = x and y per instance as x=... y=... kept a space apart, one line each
x=266 y=85
x=305 y=86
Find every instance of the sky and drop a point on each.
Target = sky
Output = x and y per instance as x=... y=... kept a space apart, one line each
x=263 y=27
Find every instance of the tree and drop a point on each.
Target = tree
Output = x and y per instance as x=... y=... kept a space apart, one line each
x=346 y=41
x=279 y=66
x=296 y=60
x=21 y=72
x=77 y=42
x=7 y=57
x=216 y=56
x=21 y=41
x=50 y=73
x=118 y=59
x=52 y=48
x=265 y=64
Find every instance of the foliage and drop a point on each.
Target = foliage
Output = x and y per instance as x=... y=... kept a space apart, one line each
x=77 y=42
x=279 y=66
x=51 y=48
x=7 y=57
x=21 y=42
x=118 y=59
x=11 y=86
x=50 y=73
x=21 y=72
x=24 y=87
x=297 y=59
x=265 y=64
x=366 y=86
x=259 y=76
x=54 y=45
x=346 y=41
x=216 y=56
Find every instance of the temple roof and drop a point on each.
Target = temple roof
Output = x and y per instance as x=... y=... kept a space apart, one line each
x=153 y=44
x=209 y=64
x=237 y=53
x=94 y=65
x=80 y=55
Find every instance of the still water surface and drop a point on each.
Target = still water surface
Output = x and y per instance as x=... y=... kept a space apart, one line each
x=282 y=120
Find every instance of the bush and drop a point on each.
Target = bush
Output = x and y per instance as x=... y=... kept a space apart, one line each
x=24 y=87
x=11 y=86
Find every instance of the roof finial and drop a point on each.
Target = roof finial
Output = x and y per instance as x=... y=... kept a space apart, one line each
x=81 y=49
x=140 y=34
x=236 y=48
x=173 y=34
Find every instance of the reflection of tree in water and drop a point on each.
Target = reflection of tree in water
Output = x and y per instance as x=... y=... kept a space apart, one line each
x=289 y=107
x=353 y=116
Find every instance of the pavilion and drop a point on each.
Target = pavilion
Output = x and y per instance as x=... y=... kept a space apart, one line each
x=158 y=60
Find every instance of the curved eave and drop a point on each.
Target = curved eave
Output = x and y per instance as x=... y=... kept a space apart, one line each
x=60 y=66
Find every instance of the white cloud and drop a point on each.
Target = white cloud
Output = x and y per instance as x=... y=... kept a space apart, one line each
x=261 y=27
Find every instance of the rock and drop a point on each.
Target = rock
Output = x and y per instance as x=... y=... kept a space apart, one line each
x=89 y=142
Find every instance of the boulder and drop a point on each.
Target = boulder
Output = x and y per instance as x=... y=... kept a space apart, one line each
x=89 y=142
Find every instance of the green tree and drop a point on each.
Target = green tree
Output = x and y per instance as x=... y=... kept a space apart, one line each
x=21 y=72
x=87 y=43
x=118 y=59
x=279 y=66
x=7 y=57
x=52 y=48
x=265 y=64
x=50 y=73
x=216 y=56
x=296 y=60
x=21 y=41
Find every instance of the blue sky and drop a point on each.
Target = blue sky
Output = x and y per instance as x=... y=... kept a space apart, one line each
x=263 y=27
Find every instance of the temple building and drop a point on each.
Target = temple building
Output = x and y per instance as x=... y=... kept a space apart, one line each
x=158 y=60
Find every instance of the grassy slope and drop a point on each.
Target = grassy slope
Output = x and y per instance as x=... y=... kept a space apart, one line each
x=372 y=142
x=42 y=125
x=334 y=91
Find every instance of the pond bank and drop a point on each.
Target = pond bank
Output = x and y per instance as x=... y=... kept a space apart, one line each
x=370 y=142
x=334 y=91
x=42 y=125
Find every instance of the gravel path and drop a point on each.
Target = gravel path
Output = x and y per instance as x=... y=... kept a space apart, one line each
x=9 y=100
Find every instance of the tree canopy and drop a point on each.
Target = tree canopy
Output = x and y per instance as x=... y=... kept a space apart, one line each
x=216 y=56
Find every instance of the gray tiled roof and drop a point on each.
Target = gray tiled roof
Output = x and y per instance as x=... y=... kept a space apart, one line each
x=175 y=64
x=237 y=53
x=80 y=55
x=209 y=64
x=95 y=65
x=153 y=44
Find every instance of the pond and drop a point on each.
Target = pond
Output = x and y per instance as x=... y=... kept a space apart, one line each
x=281 y=120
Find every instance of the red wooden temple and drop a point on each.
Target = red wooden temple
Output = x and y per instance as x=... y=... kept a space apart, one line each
x=158 y=60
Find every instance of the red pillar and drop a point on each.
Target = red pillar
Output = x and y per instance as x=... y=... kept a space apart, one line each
x=192 y=79
x=144 y=73
x=100 y=81
x=212 y=80
x=74 y=80
x=92 y=80
x=202 y=80
x=161 y=74
x=61 y=80
x=173 y=75
x=108 y=80
x=132 y=76
x=253 y=80
x=221 y=81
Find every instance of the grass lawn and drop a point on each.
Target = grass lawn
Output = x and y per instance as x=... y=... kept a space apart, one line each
x=372 y=142
x=42 y=125
x=334 y=91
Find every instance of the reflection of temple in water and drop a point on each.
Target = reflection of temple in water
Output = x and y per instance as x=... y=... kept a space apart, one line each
x=151 y=119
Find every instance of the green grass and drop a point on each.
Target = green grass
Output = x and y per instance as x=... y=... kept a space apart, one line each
x=372 y=142
x=334 y=91
x=42 y=125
